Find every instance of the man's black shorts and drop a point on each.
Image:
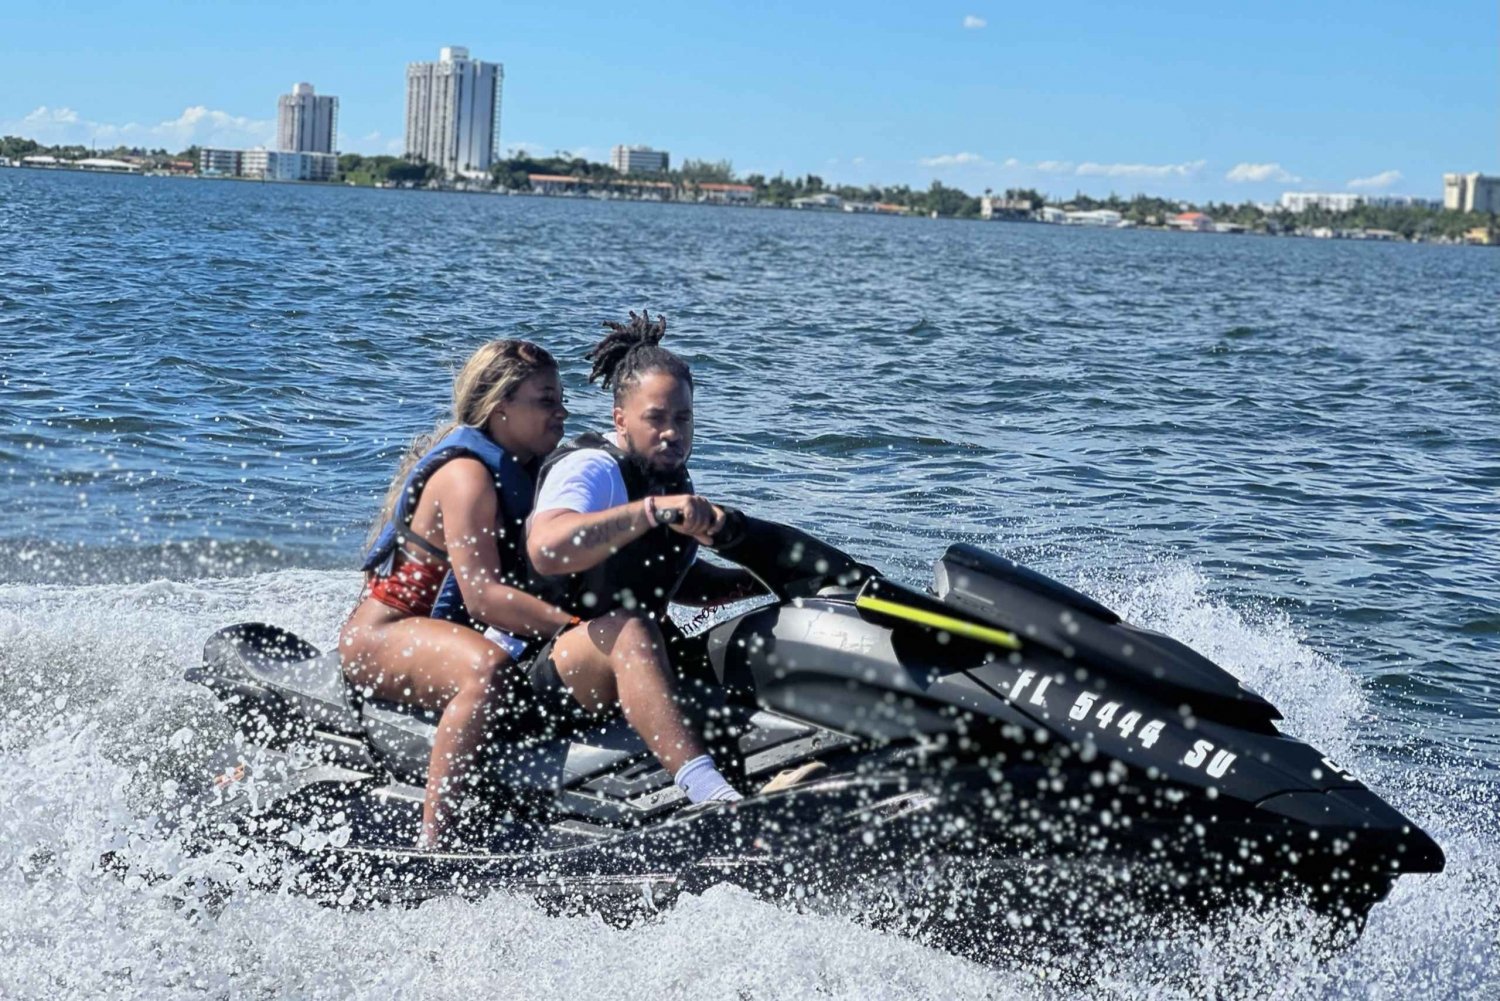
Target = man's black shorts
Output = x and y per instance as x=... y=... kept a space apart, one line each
x=553 y=698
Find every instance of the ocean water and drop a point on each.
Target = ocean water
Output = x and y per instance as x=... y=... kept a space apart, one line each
x=1284 y=452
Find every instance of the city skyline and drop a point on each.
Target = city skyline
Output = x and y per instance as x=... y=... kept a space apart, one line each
x=1241 y=107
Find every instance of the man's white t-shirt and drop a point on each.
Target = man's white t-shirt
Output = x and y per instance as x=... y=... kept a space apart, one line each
x=585 y=481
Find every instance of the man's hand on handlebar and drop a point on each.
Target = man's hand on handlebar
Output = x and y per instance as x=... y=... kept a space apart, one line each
x=691 y=515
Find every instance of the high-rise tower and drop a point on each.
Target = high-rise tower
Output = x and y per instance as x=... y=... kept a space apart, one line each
x=305 y=122
x=453 y=111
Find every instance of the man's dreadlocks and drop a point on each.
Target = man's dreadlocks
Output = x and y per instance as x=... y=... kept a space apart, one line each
x=632 y=349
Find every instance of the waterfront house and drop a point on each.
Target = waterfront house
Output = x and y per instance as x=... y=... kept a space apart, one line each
x=726 y=194
x=107 y=165
x=555 y=184
x=995 y=207
x=1191 y=222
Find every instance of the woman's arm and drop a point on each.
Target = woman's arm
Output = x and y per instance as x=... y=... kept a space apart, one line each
x=469 y=507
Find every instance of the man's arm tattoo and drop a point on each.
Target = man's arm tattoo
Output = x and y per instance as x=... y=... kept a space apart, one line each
x=604 y=532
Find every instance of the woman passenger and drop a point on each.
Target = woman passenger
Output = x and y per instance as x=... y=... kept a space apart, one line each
x=456 y=506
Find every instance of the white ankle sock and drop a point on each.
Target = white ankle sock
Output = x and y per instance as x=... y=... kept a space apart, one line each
x=701 y=780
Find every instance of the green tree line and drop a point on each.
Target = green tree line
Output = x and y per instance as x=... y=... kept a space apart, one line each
x=16 y=147
x=514 y=173
x=368 y=170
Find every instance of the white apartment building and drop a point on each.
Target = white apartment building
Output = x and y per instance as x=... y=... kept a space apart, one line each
x=287 y=165
x=1301 y=201
x=225 y=162
x=307 y=122
x=1402 y=202
x=1471 y=193
x=638 y=160
x=268 y=164
x=453 y=112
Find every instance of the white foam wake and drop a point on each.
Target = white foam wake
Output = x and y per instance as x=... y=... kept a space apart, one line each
x=97 y=720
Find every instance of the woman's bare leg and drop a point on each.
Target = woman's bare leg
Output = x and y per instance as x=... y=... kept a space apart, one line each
x=439 y=666
x=622 y=658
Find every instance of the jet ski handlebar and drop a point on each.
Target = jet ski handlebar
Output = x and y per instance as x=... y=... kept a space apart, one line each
x=788 y=561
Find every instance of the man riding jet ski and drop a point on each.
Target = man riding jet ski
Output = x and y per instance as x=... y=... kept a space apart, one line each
x=614 y=537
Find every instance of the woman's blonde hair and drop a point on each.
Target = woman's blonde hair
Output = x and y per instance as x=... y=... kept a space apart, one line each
x=490 y=377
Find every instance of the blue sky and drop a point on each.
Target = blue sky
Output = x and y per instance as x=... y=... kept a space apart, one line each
x=1225 y=101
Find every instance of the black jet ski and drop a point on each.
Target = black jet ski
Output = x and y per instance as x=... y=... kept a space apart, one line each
x=995 y=753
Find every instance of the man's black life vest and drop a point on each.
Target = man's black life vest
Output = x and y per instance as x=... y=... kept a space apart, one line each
x=645 y=574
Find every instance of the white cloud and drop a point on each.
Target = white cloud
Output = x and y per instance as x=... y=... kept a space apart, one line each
x=953 y=160
x=44 y=116
x=1384 y=179
x=1140 y=169
x=197 y=125
x=1090 y=168
x=973 y=22
x=858 y=161
x=1011 y=161
x=1259 y=172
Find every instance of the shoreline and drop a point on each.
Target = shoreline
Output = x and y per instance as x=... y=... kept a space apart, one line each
x=1312 y=233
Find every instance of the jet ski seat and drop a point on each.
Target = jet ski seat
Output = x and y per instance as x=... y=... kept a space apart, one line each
x=298 y=672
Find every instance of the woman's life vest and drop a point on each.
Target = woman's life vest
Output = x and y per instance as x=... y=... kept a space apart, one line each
x=514 y=487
